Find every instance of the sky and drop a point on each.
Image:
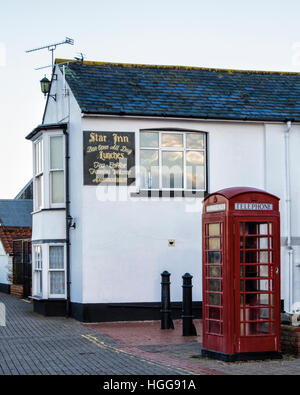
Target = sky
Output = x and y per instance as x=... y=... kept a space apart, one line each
x=230 y=34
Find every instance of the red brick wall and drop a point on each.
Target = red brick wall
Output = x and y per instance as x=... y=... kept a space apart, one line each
x=290 y=340
x=16 y=290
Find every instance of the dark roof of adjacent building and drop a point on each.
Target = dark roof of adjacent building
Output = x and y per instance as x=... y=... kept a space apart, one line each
x=16 y=212
x=26 y=192
x=185 y=92
x=10 y=233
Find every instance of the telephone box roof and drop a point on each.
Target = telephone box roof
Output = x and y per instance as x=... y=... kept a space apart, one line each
x=230 y=193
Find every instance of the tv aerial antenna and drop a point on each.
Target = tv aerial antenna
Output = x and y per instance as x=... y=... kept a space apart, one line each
x=51 y=48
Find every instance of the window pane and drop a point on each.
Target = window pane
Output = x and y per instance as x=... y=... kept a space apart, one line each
x=172 y=140
x=57 y=283
x=214 y=243
x=195 y=170
x=214 y=257
x=195 y=141
x=38 y=157
x=38 y=192
x=38 y=282
x=172 y=171
x=56 y=152
x=149 y=169
x=214 y=285
x=214 y=229
x=215 y=299
x=148 y=139
x=57 y=187
x=38 y=257
x=214 y=271
x=56 y=257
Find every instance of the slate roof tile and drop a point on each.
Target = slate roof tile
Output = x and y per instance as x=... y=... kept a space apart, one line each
x=111 y=88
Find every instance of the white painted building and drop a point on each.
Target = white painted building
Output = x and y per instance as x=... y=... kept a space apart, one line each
x=100 y=250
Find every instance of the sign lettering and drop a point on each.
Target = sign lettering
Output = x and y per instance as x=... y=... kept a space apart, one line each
x=254 y=206
x=109 y=158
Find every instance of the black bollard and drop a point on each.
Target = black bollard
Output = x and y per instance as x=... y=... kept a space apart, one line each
x=188 y=328
x=166 y=320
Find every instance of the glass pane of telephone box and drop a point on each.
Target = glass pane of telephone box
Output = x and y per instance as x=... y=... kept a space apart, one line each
x=214 y=285
x=215 y=299
x=214 y=271
x=214 y=257
x=214 y=243
x=214 y=229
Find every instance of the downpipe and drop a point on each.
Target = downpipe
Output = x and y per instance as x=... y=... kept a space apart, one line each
x=289 y=246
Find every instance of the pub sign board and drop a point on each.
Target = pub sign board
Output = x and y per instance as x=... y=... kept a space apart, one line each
x=108 y=158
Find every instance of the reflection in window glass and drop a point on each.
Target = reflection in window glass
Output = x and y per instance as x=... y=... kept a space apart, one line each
x=184 y=151
x=149 y=169
x=149 y=139
x=195 y=141
x=195 y=170
x=172 y=170
x=172 y=140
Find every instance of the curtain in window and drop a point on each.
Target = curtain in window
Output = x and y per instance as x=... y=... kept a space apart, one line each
x=56 y=257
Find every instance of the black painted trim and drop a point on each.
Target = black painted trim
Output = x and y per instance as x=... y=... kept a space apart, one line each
x=49 y=209
x=110 y=312
x=5 y=288
x=50 y=308
x=49 y=126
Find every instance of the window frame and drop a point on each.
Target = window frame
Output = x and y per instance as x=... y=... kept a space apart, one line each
x=38 y=271
x=160 y=148
x=63 y=270
x=38 y=172
x=51 y=171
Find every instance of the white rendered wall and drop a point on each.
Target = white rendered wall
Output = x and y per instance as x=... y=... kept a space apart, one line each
x=66 y=110
x=125 y=244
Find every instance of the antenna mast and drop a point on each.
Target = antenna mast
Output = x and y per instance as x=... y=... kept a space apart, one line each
x=52 y=48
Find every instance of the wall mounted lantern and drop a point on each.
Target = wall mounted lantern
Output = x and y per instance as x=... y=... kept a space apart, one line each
x=46 y=86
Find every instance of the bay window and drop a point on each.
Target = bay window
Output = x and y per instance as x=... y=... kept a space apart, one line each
x=173 y=160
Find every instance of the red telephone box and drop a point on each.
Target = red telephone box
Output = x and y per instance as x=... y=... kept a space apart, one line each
x=241 y=275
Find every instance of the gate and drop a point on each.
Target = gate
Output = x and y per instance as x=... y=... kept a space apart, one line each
x=22 y=265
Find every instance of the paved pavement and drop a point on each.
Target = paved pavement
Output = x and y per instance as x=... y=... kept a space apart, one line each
x=33 y=344
x=169 y=346
x=37 y=345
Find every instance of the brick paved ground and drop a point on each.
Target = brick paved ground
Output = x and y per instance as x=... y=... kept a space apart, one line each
x=32 y=344
x=169 y=346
